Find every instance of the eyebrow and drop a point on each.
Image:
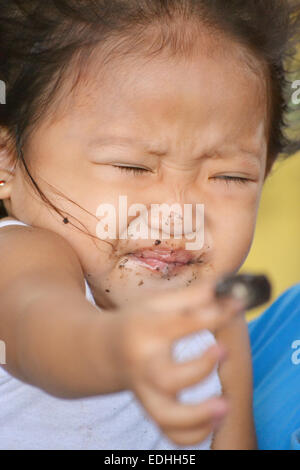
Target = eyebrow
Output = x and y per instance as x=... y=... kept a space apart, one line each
x=110 y=140
x=253 y=154
x=126 y=141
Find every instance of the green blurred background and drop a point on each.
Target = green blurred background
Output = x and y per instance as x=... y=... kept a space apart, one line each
x=276 y=247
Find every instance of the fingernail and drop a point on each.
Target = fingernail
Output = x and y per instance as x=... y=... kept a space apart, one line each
x=220 y=409
x=222 y=353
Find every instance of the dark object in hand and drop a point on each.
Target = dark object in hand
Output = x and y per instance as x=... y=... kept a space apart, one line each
x=253 y=290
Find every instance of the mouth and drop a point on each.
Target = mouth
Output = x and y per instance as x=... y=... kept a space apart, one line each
x=163 y=261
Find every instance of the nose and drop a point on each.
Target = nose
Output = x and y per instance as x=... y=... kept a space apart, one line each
x=174 y=210
x=177 y=221
x=179 y=212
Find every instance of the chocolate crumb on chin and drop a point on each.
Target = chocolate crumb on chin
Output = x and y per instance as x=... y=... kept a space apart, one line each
x=124 y=262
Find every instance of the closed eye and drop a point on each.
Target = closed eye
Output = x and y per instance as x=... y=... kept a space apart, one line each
x=226 y=178
x=234 y=179
x=132 y=169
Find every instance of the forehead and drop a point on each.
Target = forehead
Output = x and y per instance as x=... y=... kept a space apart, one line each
x=220 y=88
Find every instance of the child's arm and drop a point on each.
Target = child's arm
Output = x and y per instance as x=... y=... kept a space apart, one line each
x=237 y=431
x=55 y=339
x=61 y=343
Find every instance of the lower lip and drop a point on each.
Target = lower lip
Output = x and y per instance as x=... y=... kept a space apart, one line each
x=156 y=265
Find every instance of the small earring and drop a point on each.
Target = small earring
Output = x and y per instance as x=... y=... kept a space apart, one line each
x=2 y=183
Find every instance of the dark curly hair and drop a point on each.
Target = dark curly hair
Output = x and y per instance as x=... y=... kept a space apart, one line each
x=40 y=40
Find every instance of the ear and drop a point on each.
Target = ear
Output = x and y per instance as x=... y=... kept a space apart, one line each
x=8 y=162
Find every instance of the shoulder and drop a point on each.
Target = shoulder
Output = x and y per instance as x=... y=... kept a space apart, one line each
x=28 y=251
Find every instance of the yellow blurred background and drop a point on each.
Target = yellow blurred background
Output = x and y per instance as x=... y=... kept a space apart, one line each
x=276 y=247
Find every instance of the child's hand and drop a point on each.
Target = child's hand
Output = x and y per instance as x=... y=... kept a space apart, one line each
x=147 y=330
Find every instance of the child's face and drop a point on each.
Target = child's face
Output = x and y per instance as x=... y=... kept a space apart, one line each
x=189 y=122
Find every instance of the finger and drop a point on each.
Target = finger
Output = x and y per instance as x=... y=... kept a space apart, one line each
x=213 y=316
x=171 y=414
x=176 y=417
x=190 y=437
x=186 y=374
x=201 y=293
x=230 y=308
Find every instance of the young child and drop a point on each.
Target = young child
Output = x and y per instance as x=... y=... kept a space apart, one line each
x=163 y=102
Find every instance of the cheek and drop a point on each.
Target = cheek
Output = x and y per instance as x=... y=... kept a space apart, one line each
x=233 y=236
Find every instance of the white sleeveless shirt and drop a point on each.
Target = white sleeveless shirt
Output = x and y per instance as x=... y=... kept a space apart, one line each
x=32 y=419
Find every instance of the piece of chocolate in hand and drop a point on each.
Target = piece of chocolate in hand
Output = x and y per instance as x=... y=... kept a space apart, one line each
x=253 y=290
